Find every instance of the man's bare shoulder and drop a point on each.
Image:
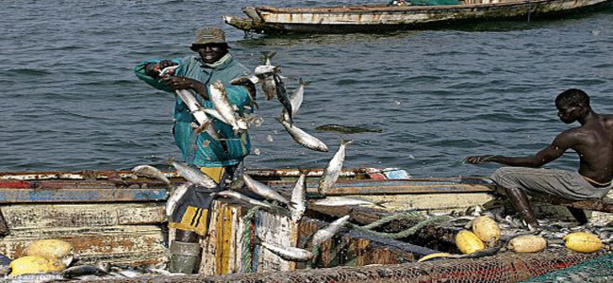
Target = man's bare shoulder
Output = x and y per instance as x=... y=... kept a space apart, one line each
x=608 y=120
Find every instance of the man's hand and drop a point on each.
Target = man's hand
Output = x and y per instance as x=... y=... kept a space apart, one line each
x=479 y=159
x=153 y=69
x=177 y=83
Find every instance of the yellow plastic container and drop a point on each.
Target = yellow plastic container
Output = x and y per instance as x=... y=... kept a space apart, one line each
x=468 y=242
x=527 y=244
x=487 y=230
x=31 y=265
x=582 y=242
x=51 y=249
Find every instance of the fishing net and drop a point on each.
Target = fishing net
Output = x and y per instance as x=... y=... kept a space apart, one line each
x=596 y=270
x=506 y=267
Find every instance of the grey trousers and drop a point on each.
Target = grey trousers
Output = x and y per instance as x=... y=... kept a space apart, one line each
x=562 y=183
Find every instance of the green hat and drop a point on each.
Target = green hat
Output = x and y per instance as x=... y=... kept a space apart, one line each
x=209 y=35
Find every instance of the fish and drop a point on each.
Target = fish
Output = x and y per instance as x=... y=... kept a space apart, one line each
x=263 y=190
x=283 y=97
x=333 y=169
x=297 y=203
x=327 y=232
x=248 y=83
x=288 y=253
x=265 y=73
x=302 y=137
x=194 y=175
x=82 y=270
x=175 y=196
x=347 y=129
x=219 y=97
x=151 y=172
x=269 y=87
x=298 y=96
x=196 y=109
x=243 y=198
x=267 y=69
x=343 y=201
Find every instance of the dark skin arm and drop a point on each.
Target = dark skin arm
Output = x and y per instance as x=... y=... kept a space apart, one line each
x=175 y=82
x=560 y=144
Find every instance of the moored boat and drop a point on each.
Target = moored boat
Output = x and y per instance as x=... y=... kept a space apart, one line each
x=365 y=18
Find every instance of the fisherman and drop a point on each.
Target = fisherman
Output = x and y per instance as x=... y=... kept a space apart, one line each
x=592 y=141
x=218 y=158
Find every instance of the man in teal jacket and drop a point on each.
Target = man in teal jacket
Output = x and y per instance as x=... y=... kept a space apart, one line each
x=217 y=158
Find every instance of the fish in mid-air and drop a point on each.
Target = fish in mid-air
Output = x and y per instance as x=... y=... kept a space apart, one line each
x=333 y=170
x=301 y=137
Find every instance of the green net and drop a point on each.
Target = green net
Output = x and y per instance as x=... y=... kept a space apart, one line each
x=599 y=269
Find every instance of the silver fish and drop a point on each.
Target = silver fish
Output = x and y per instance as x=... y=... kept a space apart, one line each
x=194 y=175
x=289 y=253
x=196 y=109
x=219 y=97
x=327 y=232
x=342 y=201
x=283 y=97
x=297 y=204
x=243 y=198
x=263 y=190
x=302 y=137
x=267 y=69
x=151 y=172
x=269 y=87
x=298 y=96
x=333 y=170
x=175 y=196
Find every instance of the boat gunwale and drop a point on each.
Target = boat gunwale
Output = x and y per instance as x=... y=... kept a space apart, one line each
x=385 y=8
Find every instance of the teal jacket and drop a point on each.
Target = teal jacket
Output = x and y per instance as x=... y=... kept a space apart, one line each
x=200 y=149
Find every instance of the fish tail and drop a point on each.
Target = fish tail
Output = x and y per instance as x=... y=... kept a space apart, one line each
x=345 y=142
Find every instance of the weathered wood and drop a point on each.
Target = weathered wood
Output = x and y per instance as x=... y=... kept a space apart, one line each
x=604 y=205
x=117 y=244
x=358 y=18
x=83 y=215
x=10 y=195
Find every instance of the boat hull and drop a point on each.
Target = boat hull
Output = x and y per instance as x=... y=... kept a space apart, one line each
x=384 y=18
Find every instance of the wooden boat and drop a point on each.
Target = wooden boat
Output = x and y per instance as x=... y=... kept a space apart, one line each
x=368 y=18
x=119 y=218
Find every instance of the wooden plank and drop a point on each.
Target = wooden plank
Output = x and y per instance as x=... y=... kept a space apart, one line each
x=208 y=262
x=83 y=215
x=142 y=243
x=603 y=205
x=10 y=196
x=275 y=229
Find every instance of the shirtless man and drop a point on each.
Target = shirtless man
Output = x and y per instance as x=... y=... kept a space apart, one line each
x=592 y=141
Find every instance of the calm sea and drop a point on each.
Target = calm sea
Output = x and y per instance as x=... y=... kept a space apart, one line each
x=70 y=100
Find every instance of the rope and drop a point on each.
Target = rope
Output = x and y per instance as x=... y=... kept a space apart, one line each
x=246 y=240
x=405 y=233
x=413 y=215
